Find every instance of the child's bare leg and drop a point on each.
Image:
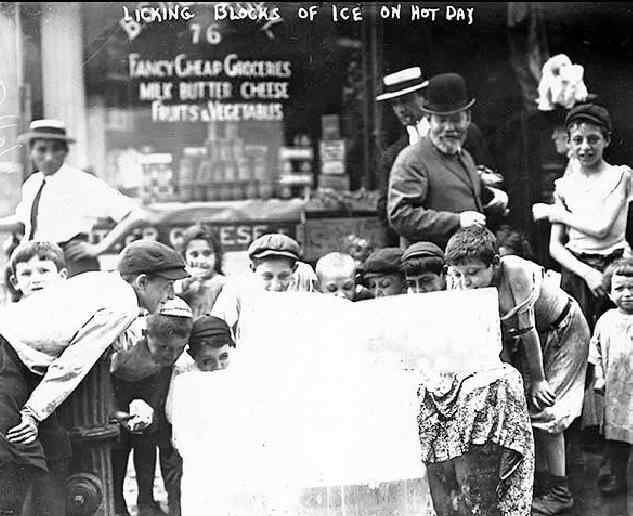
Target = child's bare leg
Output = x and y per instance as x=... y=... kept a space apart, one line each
x=553 y=446
x=557 y=498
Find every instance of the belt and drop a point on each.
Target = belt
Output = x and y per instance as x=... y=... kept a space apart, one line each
x=564 y=312
x=618 y=253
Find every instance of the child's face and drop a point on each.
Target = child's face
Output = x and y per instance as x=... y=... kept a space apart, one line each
x=622 y=292
x=274 y=274
x=471 y=274
x=386 y=285
x=426 y=282
x=200 y=258
x=338 y=283
x=211 y=358
x=587 y=143
x=36 y=275
x=165 y=351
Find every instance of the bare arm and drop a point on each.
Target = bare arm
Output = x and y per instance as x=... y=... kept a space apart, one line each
x=564 y=257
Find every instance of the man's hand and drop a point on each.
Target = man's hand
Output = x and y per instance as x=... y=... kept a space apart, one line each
x=25 y=432
x=593 y=279
x=471 y=218
x=540 y=210
x=541 y=395
x=77 y=249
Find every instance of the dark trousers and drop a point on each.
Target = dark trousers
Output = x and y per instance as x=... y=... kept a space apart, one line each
x=153 y=391
x=41 y=463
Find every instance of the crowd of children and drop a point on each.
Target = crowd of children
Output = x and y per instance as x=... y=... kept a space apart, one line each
x=547 y=322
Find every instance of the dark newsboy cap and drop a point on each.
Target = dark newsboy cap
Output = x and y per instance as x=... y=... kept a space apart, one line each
x=274 y=245
x=383 y=261
x=207 y=326
x=422 y=249
x=591 y=113
x=151 y=257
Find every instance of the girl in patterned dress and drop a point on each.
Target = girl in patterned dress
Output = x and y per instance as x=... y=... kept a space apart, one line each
x=611 y=353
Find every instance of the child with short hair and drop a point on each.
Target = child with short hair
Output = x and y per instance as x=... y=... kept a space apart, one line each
x=336 y=275
x=202 y=251
x=590 y=213
x=141 y=375
x=611 y=353
x=424 y=268
x=513 y=241
x=554 y=339
x=274 y=259
x=383 y=274
x=35 y=265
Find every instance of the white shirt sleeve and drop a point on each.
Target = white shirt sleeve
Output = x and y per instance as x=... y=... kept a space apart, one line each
x=23 y=209
x=109 y=202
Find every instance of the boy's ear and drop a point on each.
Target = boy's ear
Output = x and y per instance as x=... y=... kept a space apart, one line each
x=141 y=281
x=295 y=266
x=496 y=260
x=14 y=282
x=63 y=273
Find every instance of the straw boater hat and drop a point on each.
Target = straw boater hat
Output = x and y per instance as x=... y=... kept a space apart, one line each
x=402 y=83
x=47 y=129
x=446 y=94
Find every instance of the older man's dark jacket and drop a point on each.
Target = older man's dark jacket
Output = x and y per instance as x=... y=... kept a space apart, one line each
x=427 y=191
x=474 y=144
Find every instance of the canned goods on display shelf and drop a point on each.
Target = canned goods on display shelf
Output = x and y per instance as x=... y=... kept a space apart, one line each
x=212 y=192
x=244 y=169
x=252 y=190
x=266 y=191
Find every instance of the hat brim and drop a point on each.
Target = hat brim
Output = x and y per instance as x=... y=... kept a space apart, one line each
x=286 y=254
x=390 y=272
x=422 y=254
x=584 y=117
x=177 y=273
x=441 y=110
x=404 y=91
x=27 y=137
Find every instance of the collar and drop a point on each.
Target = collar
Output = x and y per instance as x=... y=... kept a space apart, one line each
x=63 y=171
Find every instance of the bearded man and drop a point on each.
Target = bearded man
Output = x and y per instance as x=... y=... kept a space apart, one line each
x=434 y=186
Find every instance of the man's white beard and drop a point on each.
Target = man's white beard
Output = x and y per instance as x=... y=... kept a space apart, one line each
x=446 y=148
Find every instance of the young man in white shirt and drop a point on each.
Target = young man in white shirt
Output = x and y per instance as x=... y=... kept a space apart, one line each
x=50 y=341
x=61 y=204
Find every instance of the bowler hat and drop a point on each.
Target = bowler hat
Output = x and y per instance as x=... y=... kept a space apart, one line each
x=401 y=83
x=422 y=250
x=446 y=94
x=46 y=129
x=151 y=257
x=384 y=261
x=591 y=113
x=274 y=245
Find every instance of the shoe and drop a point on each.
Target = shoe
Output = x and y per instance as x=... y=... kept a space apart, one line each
x=614 y=487
x=150 y=509
x=556 y=500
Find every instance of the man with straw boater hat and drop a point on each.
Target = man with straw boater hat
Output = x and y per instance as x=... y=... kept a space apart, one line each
x=404 y=90
x=60 y=203
x=435 y=187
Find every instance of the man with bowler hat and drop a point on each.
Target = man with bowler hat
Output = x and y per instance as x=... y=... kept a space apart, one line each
x=404 y=90
x=434 y=187
x=60 y=203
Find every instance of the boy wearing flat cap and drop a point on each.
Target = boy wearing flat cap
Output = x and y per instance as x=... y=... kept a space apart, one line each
x=51 y=340
x=424 y=268
x=141 y=375
x=590 y=211
x=383 y=272
x=274 y=261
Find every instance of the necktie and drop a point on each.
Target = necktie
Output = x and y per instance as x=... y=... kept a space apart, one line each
x=35 y=209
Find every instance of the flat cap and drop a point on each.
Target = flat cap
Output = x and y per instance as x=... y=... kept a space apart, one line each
x=207 y=326
x=591 y=113
x=384 y=261
x=274 y=245
x=422 y=249
x=151 y=257
x=176 y=308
